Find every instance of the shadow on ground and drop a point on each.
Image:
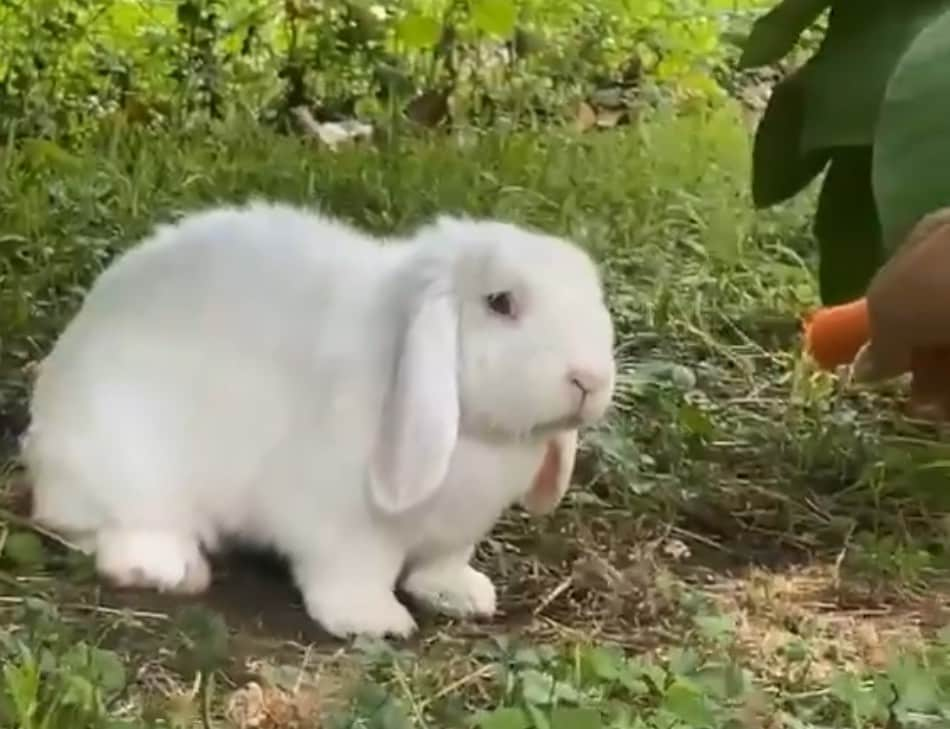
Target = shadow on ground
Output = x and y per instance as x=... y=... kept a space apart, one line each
x=252 y=590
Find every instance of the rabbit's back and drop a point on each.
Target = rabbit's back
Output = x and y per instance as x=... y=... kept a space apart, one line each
x=227 y=274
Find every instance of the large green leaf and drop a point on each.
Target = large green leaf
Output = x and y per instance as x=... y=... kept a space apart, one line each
x=911 y=170
x=847 y=228
x=779 y=169
x=684 y=700
x=845 y=80
x=497 y=17
x=775 y=33
x=418 y=31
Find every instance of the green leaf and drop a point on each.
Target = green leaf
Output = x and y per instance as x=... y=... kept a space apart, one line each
x=504 y=717
x=687 y=703
x=526 y=657
x=543 y=689
x=41 y=616
x=655 y=675
x=795 y=650
x=911 y=147
x=610 y=665
x=717 y=628
x=22 y=683
x=606 y=663
x=776 y=32
x=917 y=687
x=683 y=661
x=496 y=17
x=108 y=670
x=46 y=152
x=848 y=689
x=377 y=708
x=723 y=680
x=370 y=696
x=418 y=31
x=846 y=79
x=206 y=638
x=693 y=420
x=393 y=716
x=780 y=169
x=24 y=549
x=847 y=228
x=567 y=717
x=79 y=692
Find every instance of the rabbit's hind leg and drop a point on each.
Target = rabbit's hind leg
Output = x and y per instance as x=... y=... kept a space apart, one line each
x=166 y=561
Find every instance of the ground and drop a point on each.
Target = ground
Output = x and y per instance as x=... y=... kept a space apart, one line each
x=748 y=543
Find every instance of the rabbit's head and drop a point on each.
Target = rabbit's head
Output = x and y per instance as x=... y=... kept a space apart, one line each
x=505 y=336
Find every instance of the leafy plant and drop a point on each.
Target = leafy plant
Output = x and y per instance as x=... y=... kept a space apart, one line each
x=53 y=682
x=865 y=108
x=706 y=685
x=66 y=65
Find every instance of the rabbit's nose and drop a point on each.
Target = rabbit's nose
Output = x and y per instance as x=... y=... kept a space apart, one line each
x=586 y=380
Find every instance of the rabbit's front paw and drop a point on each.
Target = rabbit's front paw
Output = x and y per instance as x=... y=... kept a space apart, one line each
x=164 y=561
x=345 y=614
x=453 y=589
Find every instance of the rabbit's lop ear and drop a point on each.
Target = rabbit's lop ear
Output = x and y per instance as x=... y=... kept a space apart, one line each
x=554 y=476
x=420 y=420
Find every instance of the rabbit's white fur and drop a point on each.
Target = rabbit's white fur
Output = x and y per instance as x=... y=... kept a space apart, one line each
x=268 y=374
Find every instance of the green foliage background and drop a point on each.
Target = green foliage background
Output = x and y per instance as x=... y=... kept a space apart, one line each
x=64 y=63
x=866 y=107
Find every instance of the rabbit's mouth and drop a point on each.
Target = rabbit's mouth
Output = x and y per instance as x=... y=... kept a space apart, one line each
x=565 y=422
x=537 y=432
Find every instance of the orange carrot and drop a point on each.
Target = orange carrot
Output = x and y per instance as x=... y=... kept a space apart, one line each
x=834 y=334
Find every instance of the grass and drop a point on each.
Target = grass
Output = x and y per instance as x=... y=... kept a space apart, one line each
x=749 y=544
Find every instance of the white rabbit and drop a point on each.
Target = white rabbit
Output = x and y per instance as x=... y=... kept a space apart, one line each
x=368 y=408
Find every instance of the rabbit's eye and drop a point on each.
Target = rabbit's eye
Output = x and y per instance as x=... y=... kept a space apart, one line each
x=500 y=303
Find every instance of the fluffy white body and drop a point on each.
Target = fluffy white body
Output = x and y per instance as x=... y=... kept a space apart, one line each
x=268 y=374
